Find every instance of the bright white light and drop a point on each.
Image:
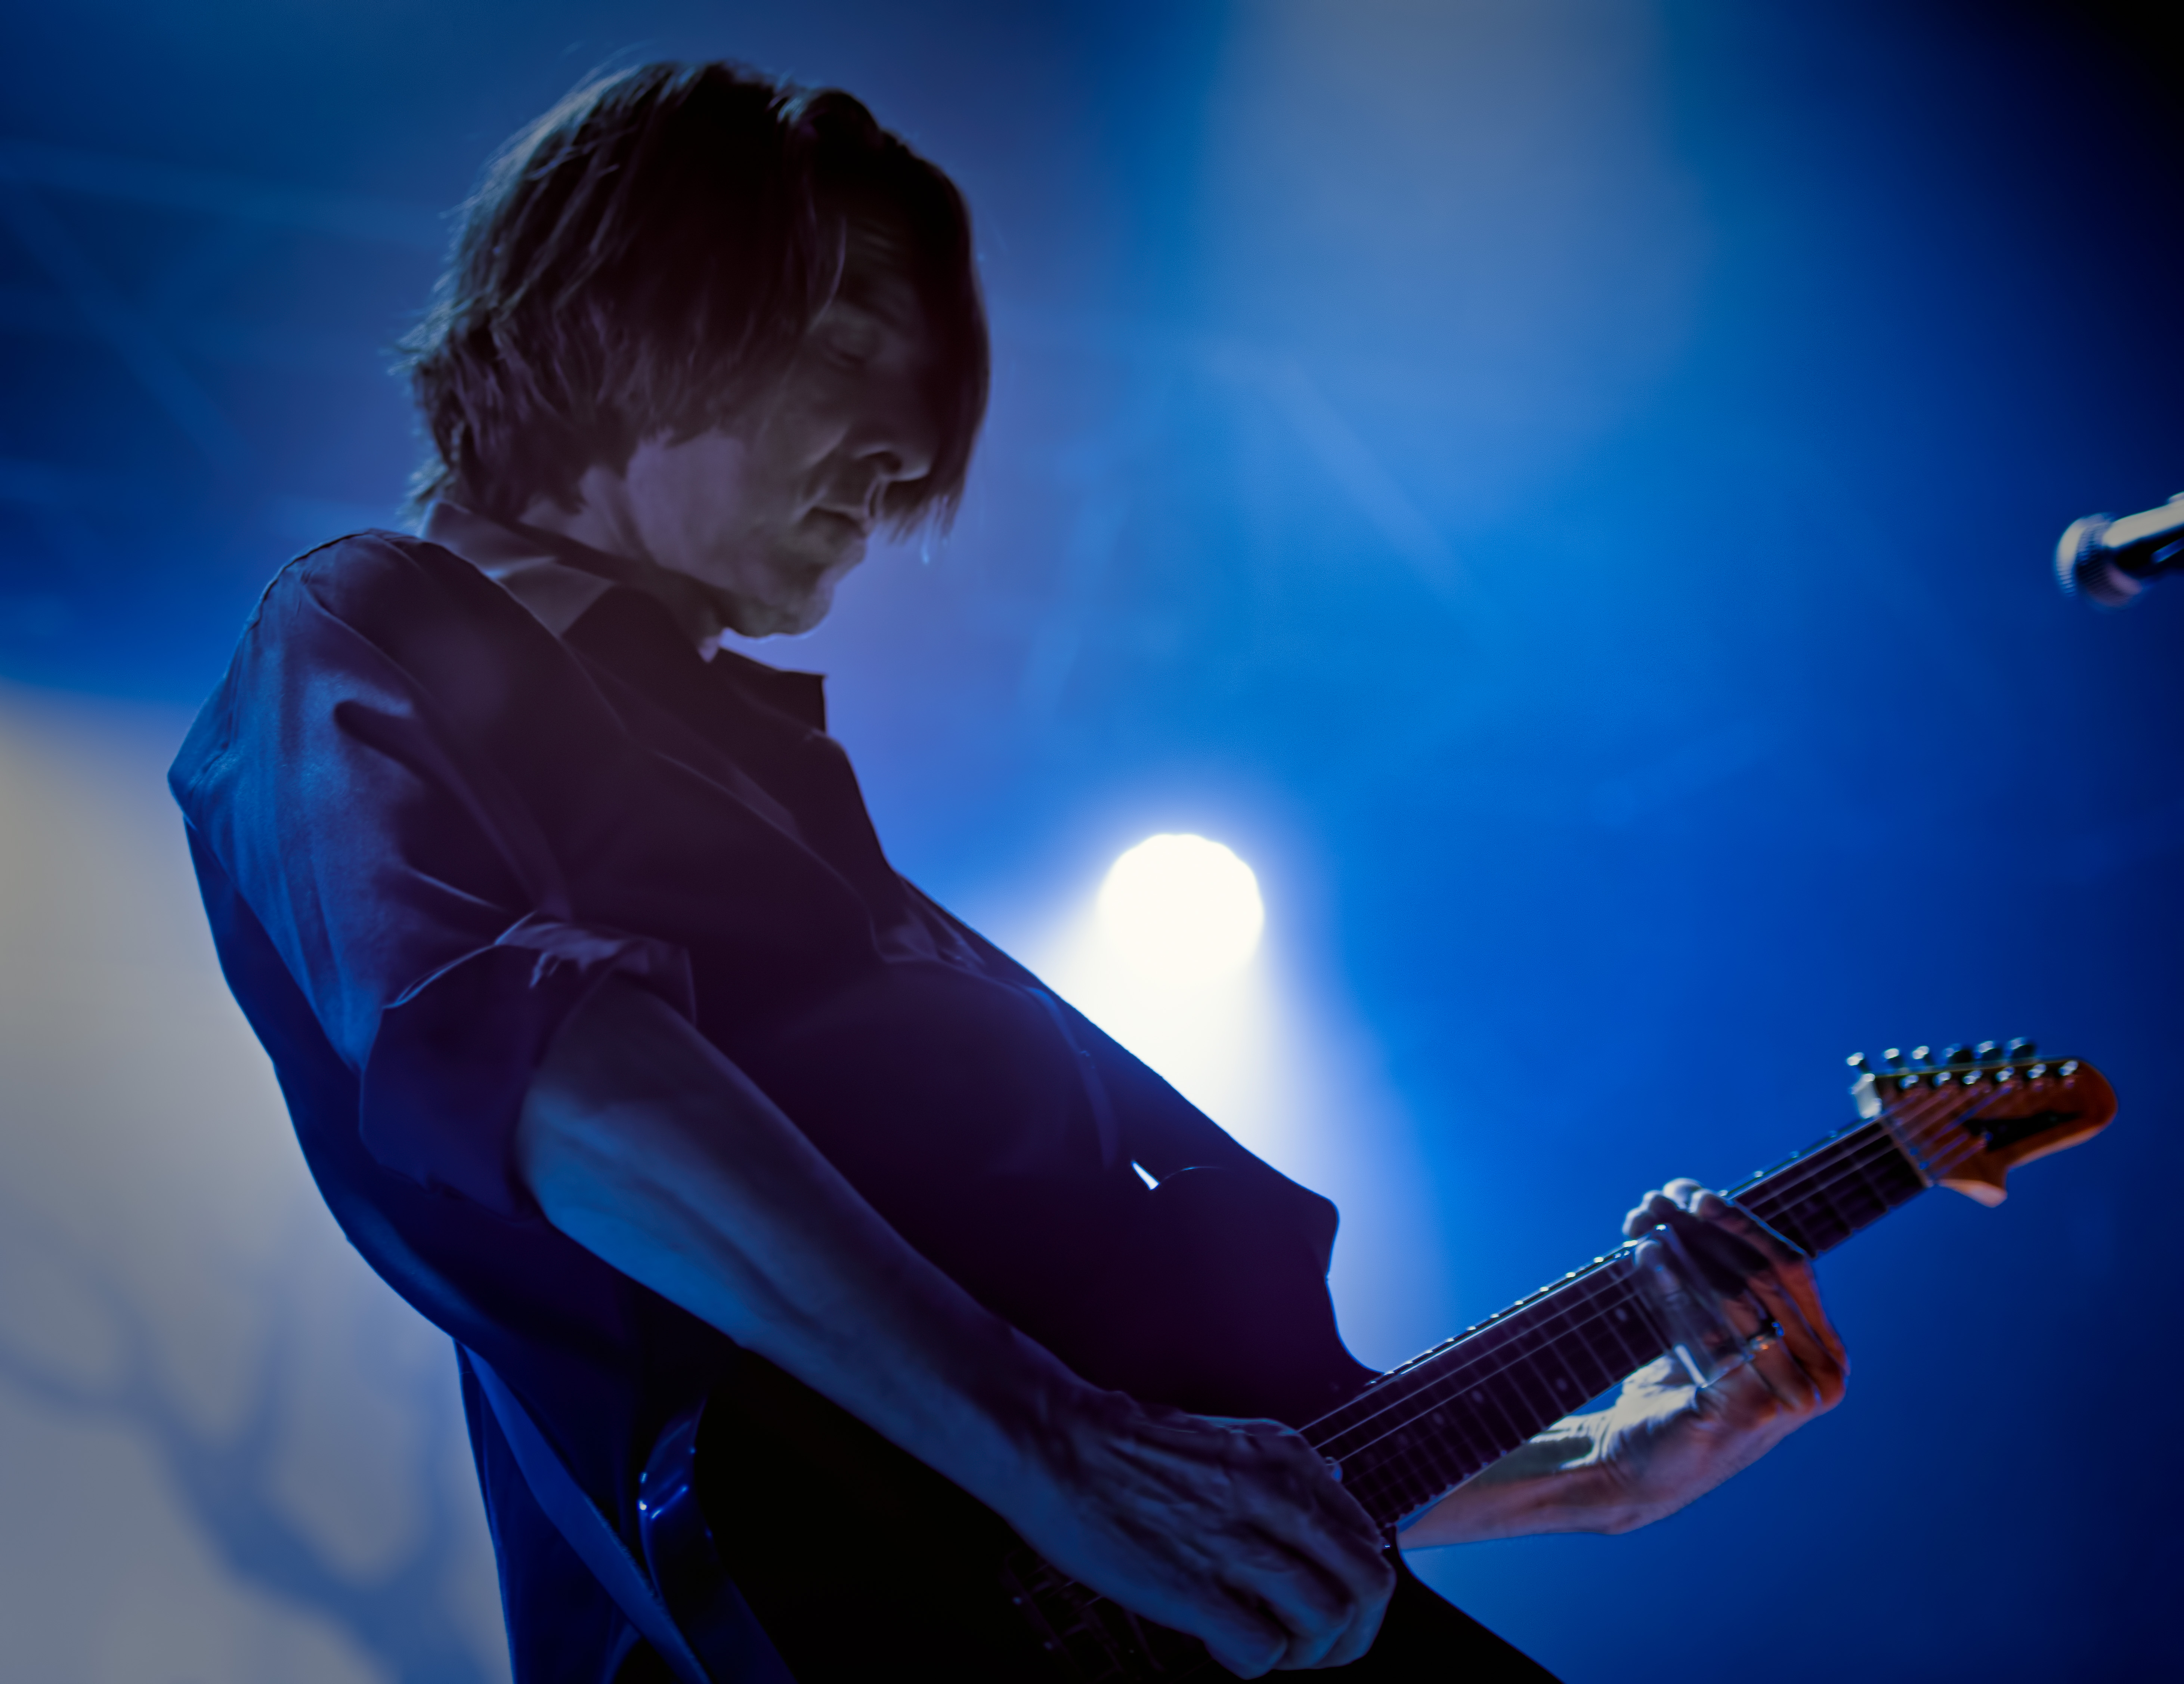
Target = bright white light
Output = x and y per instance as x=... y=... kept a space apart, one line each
x=1182 y=910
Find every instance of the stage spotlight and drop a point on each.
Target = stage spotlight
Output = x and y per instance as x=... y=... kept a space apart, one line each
x=1182 y=910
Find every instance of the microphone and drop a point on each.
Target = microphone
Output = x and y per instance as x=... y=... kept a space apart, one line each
x=2109 y=562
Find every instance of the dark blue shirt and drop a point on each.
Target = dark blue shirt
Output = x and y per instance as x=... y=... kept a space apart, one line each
x=428 y=818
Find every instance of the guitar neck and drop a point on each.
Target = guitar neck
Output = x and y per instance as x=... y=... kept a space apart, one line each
x=1962 y=1120
x=1422 y=1430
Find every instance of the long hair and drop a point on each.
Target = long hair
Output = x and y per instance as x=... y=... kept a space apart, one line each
x=645 y=258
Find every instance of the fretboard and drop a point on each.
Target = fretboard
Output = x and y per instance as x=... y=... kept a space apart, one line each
x=1422 y=1430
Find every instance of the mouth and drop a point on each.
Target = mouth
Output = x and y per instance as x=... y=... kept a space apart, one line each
x=856 y=525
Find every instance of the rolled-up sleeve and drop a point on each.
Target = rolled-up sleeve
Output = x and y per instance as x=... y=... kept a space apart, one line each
x=444 y=1081
x=348 y=780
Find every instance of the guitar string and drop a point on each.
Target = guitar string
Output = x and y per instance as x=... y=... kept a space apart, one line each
x=1525 y=1342
x=1407 y=1468
x=1928 y=1130
x=1932 y=1167
x=1530 y=1342
x=1819 y=1180
x=1922 y=1140
x=1798 y=1181
x=1813 y=1174
x=1372 y=1478
x=1798 y=1188
x=1798 y=1177
x=1504 y=1357
x=1874 y=1150
x=1467 y=1371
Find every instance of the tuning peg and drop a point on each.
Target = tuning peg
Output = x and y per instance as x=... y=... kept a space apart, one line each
x=1985 y=1050
x=1957 y=1054
x=1892 y=1057
x=1918 y=1057
x=2018 y=1048
x=1856 y=1062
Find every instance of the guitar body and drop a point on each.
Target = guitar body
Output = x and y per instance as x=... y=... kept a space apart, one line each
x=862 y=1563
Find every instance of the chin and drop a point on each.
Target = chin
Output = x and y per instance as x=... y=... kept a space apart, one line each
x=790 y=619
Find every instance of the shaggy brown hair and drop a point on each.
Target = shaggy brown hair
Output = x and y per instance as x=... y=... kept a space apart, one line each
x=646 y=256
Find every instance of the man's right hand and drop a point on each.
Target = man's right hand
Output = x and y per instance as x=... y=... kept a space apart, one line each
x=1236 y=1531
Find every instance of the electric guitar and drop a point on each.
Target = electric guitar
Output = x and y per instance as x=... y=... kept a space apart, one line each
x=1222 y=1314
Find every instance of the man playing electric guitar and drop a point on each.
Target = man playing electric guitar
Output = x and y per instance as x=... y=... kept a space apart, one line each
x=619 y=1049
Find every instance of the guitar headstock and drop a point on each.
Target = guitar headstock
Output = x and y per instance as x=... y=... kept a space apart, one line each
x=1968 y=1115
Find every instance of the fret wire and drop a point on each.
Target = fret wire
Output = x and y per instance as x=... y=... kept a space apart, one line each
x=1805 y=1221
x=1820 y=1164
x=1909 y=1179
x=1449 y=1476
x=1491 y=1392
x=1863 y=1169
x=1374 y=1486
x=1528 y=1367
x=1460 y=1384
x=1567 y=1351
x=1798 y=1181
x=1459 y=1429
x=1908 y=1137
x=1912 y=1127
x=1428 y=1376
x=1448 y=1391
x=1855 y=1197
x=1786 y=1179
x=1594 y=1375
x=1430 y=1466
x=1626 y=1362
x=1820 y=1212
x=1907 y=1145
x=1370 y=1489
x=1597 y=1288
x=1470 y=1352
x=1795 y=1185
x=1821 y=1227
x=1492 y=1346
x=1822 y=1199
x=1878 y=1148
x=1502 y=1390
x=1532 y=1385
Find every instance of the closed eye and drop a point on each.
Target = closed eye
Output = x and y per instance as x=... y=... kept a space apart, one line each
x=850 y=341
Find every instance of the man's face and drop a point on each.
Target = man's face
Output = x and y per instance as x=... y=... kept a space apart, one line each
x=773 y=511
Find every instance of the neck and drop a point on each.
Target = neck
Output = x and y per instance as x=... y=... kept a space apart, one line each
x=599 y=536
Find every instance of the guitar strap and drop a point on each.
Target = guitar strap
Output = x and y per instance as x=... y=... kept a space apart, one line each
x=598 y=1545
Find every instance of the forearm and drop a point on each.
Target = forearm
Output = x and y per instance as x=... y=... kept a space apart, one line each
x=646 y=1146
x=1552 y=1484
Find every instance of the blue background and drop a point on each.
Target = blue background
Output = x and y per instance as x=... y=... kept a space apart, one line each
x=1564 y=489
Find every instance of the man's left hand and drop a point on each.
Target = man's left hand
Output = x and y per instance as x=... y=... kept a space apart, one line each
x=1664 y=1441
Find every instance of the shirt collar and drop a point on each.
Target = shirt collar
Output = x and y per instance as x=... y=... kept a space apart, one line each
x=556 y=593
x=558 y=579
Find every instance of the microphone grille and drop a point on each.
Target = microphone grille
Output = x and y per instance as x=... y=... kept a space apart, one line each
x=2082 y=567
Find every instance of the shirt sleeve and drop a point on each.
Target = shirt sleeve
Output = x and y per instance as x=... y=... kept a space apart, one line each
x=353 y=777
